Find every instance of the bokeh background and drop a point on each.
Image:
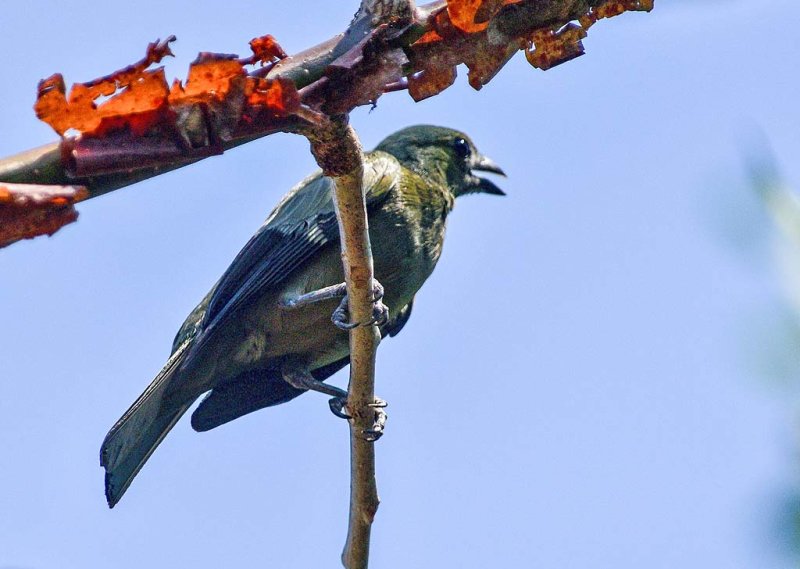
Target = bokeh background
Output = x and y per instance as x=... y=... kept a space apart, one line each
x=603 y=371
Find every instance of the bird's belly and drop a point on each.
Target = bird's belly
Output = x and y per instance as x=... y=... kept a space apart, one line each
x=401 y=268
x=304 y=335
x=270 y=333
x=307 y=336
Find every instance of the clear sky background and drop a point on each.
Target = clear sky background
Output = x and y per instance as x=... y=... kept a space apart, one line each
x=588 y=379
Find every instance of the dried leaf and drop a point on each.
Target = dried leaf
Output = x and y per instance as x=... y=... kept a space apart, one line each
x=430 y=82
x=139 y=93
x=552 y=48
x=430 y=36
x=485 y=60
x=139 y=99
x=142 y=122
x=28 y=210
x=615 y=8
x=437 y=58
x=461 y=34
x=211 y=77
x=266 y=50
x=473 y=16
x=277 y=96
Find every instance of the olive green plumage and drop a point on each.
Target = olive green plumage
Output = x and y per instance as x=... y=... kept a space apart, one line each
x=241 y=339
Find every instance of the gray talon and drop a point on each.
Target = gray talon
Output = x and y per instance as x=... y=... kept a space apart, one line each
x=377 y=291
x=380 y=312
x=341 y=316
x=338 y=406
x=376 y=431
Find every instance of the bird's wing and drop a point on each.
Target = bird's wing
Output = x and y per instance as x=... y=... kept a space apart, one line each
x=191 y=326
x=299 y=227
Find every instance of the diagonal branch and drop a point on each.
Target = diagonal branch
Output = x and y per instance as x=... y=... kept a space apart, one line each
x=338 y=152
x=389 y=46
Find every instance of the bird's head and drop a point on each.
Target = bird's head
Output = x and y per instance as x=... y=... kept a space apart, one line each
x=443 y=154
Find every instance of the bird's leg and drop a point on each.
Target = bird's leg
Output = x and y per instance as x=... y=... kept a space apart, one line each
x=302 y=379
x=380 y=312
x=340 y=317
x=333 y=291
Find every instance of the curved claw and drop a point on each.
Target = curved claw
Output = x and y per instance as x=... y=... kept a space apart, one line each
x=340 y=318
x=377 y=291
x=338 y=406
x=376 y=432
x=371 y=436
x=380 y=312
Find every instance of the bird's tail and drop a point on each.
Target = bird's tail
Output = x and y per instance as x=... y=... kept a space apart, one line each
x=132 y=440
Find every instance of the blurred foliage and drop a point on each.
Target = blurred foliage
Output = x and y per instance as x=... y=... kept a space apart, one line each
x=782 y=204
x=773 y=337
x=759 y=220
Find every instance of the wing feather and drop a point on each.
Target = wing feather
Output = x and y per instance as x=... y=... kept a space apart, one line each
x=297 y=229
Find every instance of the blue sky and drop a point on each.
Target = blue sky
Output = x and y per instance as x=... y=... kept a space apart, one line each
x=581 y=383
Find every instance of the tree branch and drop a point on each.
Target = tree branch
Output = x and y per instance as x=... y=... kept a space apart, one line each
x=338 y=152
x=351 y=69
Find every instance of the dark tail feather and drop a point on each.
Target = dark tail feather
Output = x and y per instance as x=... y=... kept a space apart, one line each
x=250 y=392
x=132 y=440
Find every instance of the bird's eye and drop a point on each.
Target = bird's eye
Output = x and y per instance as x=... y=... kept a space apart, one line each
x=462 y=148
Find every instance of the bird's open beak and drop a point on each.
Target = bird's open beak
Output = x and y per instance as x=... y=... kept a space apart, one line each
x=483 y=185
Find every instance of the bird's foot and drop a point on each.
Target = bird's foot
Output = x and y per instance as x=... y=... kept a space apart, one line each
x=339 y=408
x=376 y=431
x=380 y=312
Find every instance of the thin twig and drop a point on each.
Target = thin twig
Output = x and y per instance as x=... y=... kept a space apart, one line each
x=338 y=152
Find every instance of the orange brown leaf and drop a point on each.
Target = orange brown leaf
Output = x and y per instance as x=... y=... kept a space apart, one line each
x=278 y=96
x=430 y=82
x=28 y=210
x=210 y=77
x=614 y=8
x=139 y=102
x=473 y=16
x=139 y=92
x=548 y=48
x=431 y=36
x=266 y=49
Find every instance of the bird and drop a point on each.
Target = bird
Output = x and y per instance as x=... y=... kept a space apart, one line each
x=263 y=334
